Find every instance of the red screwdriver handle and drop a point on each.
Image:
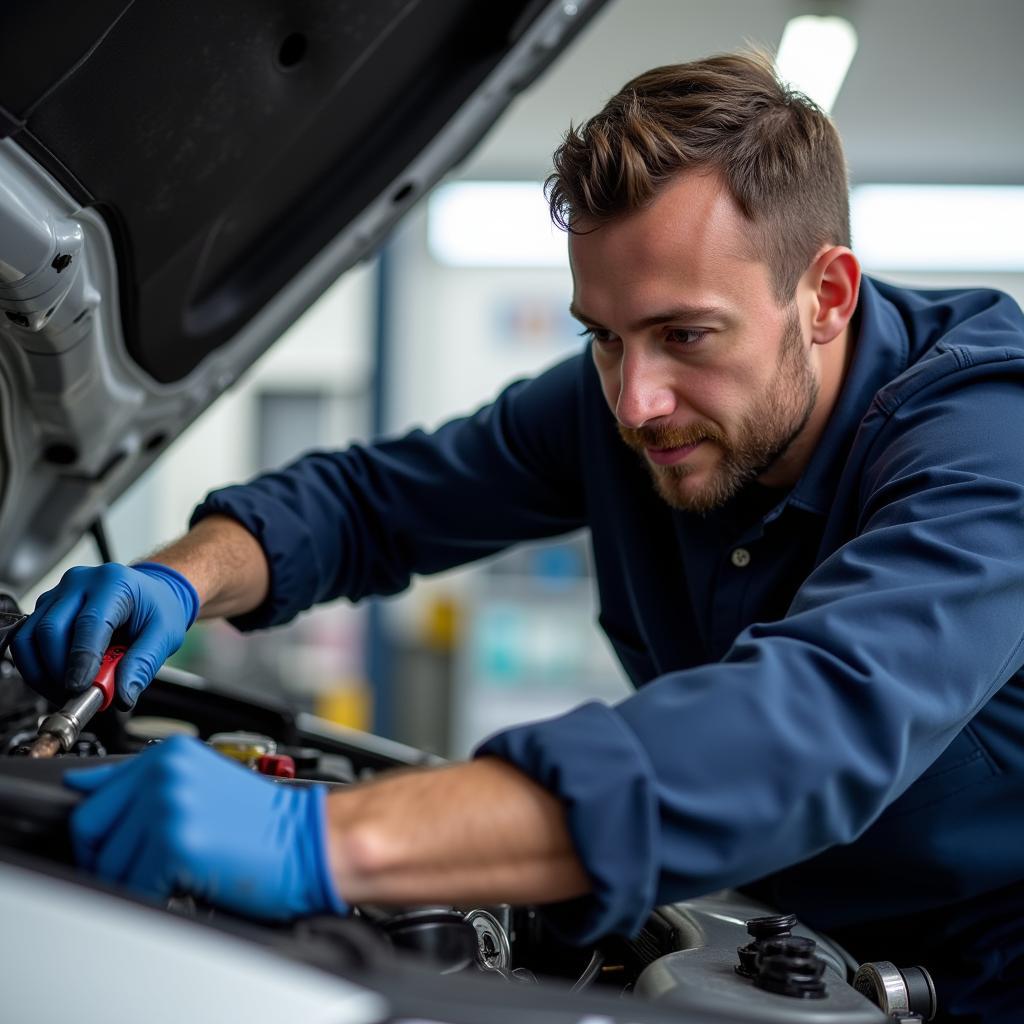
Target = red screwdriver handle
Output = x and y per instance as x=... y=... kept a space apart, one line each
x=105 y=677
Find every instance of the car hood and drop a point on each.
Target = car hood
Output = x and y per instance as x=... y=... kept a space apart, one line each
x=178 y=185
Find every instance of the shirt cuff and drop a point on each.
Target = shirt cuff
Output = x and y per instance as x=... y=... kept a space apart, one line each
x=593 y=762
x=286 y=543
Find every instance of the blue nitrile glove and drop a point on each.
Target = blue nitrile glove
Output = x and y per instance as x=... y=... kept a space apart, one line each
x=181 y=818
x=58 y=650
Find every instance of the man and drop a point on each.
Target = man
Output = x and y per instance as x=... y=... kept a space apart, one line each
x=820 y=598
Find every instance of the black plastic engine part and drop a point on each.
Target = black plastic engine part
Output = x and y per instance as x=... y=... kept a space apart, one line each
x=770 y=927
x=442 y=936
x=788 y=967
x=760 y=929
x=306 y=759
x=87 y=745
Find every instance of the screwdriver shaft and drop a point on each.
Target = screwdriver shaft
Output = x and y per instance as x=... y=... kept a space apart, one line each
x=59 y=731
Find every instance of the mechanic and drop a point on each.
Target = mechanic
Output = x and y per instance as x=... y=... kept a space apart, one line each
x=820 y=599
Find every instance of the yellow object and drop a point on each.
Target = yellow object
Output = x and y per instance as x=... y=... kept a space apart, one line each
x=245 y=747
x=347 y=704
x=441 y=623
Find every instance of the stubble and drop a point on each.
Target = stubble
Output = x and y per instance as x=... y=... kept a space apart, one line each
x=763 y=435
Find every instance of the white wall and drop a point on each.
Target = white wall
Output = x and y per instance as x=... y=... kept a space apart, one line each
x=450 y=352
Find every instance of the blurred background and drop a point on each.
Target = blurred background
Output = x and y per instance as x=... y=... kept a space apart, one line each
x=471 y=293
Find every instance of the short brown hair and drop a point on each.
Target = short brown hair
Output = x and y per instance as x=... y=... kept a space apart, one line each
x=778 y=153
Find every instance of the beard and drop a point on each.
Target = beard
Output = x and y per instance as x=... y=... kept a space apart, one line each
x=762 y=437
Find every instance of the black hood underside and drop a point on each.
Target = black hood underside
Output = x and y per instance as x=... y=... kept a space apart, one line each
x=226 y=143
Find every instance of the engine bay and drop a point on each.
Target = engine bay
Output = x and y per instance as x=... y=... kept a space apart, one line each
x=720 y=958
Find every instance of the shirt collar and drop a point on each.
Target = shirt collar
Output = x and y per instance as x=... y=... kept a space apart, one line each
x=880 y=353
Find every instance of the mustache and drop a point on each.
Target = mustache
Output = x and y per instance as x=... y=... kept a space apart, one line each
x=668 y=436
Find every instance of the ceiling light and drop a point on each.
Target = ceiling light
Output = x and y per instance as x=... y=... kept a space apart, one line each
x=494 y=224
x=814 y=56
x=939 y=227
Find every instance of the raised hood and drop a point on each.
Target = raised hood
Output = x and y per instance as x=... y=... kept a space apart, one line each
x=178 y=182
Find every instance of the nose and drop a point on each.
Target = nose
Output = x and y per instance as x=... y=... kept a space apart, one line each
x=645 y=391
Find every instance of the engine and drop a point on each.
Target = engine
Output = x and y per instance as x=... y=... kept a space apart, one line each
x=720 y=958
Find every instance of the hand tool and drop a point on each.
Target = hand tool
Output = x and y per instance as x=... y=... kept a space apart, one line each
x=59 y=731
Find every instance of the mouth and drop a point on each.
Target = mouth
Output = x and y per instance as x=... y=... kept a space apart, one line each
x=671 y=456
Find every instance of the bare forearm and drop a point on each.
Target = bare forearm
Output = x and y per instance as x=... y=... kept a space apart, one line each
x=224 y=562
x=476 y=832
x=480 y=831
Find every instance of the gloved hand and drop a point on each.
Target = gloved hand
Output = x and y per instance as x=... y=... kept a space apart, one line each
x=58 y=650
x=181 y=818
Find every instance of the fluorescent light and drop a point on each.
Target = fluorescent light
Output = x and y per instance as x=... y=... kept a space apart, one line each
x=814 y=56
x=895 y=227
x=494 y=224
x=939 y=227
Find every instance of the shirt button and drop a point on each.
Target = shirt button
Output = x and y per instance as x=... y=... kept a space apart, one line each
x=740 y=557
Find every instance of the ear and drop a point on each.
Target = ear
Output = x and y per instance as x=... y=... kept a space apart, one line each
x=834 y=282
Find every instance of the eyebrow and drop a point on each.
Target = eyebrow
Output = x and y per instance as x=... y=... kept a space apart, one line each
x=677 y=313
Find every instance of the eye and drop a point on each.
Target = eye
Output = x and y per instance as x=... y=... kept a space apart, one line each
x=687 y=337
x=598 y=335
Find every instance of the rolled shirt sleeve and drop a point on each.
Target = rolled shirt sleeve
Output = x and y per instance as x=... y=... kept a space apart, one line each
x=598 y=767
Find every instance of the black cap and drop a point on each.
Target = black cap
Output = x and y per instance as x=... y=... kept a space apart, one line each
x=920 y=991
x=788 y=967
x=769 y=927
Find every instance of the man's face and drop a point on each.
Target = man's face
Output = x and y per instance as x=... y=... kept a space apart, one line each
x=709 y=379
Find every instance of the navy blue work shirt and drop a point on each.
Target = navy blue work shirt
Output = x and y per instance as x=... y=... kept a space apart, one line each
x=829 y=695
